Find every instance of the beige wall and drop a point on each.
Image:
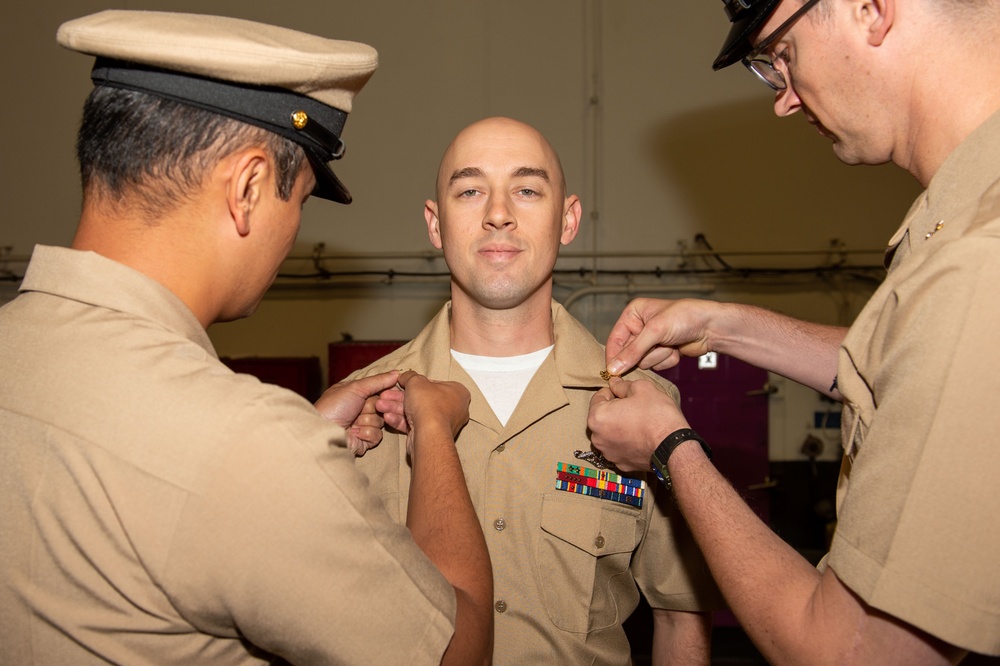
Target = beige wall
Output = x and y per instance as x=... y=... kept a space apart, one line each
x=659 y=147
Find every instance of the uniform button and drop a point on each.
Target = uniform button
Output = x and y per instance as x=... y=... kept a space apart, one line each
x=599 y=541
x=501 y=448
x=499 y=524
x=501 y=606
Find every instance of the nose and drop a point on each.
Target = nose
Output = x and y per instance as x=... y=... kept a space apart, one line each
x=499 y=214
x=786 y=102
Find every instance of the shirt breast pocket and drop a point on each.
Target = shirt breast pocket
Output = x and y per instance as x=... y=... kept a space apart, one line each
x=585 y=549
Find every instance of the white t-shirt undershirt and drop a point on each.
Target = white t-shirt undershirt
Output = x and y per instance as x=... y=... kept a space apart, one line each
x=502 y=379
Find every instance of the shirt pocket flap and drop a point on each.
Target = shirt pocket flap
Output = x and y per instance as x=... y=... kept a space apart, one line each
x=590 y=525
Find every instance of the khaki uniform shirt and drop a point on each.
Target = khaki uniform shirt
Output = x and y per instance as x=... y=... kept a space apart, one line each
x=919 y=499
x=567 y=567
x=156 y=508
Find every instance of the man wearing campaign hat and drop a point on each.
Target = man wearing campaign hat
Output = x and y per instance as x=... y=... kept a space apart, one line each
x=911 y=577
x=156 y=507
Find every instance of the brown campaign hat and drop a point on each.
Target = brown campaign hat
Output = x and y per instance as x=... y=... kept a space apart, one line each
x=298 y=85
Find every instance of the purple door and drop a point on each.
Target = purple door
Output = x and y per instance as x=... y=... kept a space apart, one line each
x=726 y=401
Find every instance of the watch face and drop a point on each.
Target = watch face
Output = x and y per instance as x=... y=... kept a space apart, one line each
x=659 y=463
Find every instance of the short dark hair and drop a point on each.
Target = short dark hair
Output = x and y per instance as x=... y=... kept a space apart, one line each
x=156 y=150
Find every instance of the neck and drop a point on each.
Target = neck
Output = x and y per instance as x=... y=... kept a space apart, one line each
x=938 y=132
x=520 y=330
x=168 y=250
x=949 y=100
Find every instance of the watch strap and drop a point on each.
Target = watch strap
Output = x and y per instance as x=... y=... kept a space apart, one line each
x=667 y=446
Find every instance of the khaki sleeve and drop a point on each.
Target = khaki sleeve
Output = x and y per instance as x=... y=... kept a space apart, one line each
x=914 y=536
x=283 y=543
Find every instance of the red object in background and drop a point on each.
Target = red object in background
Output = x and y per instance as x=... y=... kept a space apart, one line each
x=301 y=375
x=346 y=357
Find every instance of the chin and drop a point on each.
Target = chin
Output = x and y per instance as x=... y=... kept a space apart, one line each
x=858 y=153
x=507 y=299
x=500 y=303
x=845 y=154
x=238 y=313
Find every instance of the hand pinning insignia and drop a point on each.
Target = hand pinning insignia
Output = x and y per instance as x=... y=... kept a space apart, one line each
x=594 y=458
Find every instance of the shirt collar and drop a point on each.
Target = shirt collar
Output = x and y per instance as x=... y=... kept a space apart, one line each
x=90 y=278
x=953 y=194
x=578 y=357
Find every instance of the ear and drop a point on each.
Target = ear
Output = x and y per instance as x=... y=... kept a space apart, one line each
x=572 y=213
x=247 y=179
x=433 y=223
x=878 y=17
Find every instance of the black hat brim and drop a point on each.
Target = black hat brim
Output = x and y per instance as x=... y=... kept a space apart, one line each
x=269 y=108
x=328 y=186
x=737 y=44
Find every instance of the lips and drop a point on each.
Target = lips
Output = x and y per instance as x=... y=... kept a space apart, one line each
x=819 y=128
x=499 y=251
x=814 y=121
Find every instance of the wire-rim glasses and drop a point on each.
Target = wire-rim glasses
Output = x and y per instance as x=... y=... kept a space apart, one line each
x=763 y=67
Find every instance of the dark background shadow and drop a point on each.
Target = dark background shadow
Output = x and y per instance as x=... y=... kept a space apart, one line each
x=755 y=181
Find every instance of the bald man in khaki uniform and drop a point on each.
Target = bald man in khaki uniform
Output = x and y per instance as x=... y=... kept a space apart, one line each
x=570 y=556
x=912 y=576
x=155 y=507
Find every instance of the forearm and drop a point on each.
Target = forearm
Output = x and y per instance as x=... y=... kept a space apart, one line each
x=792 y=613
x=681 y=638
x=444 y=525
x=799 y=350
x=745 y=557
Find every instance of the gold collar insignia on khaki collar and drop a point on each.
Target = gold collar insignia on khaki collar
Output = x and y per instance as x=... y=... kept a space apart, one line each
x=936 y=229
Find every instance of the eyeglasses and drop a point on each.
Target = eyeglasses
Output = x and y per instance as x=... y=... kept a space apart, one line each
x=764 y=67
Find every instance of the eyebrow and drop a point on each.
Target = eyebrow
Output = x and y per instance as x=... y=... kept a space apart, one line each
x=467 y=172
x=520 y=172
x=537 y=172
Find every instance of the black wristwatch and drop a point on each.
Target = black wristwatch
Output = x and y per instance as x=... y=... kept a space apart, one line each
x=667 y=446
